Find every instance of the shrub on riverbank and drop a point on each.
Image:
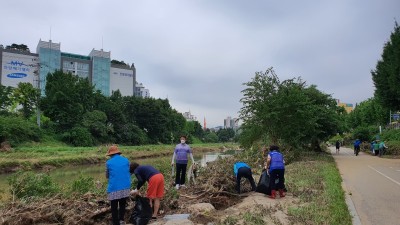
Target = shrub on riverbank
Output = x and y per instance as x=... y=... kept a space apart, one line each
x=17 y=130
x=29 y=184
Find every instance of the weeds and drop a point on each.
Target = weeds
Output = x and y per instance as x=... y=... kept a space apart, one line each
x=29 y=184
x=317 y=182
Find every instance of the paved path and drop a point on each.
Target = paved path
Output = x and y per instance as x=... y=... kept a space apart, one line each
x=372 y=186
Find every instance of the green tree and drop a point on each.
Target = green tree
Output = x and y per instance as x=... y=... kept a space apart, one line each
x=27 y=96
x=158 y=119
x=114 y=61
x=386 y=74
x=95 y=122
x=288 y=112
x=194 y=128
x=68 y=98
x=210 y=137
x=225 y=135
x=5 y=98
x=21 y=47
x=368 y=112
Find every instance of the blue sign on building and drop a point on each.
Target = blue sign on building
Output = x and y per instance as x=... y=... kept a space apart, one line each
x=17 y=75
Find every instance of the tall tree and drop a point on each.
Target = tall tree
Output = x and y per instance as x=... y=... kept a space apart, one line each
x=225 y=135
x=68 y=98
x=386 y=75
x=288 y=111
x=368 y=112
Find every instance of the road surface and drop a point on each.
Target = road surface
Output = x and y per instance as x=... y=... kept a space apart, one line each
x=372 y=187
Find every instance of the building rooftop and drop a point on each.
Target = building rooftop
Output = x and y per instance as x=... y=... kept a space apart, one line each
x=75 y=56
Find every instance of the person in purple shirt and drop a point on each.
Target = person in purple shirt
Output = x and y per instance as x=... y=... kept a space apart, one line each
x=181 y=153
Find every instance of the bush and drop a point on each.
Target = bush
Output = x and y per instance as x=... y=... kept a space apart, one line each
x=29 y=184
x=393 y=148
x=131 y=134
x=84 y=185
x=17 y=130
x=391 y=135
x=78 y=136
x=365 y=133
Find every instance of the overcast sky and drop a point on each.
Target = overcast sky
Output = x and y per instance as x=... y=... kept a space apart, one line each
x=198 y=53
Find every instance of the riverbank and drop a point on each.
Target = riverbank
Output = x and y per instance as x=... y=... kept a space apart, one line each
x=48 y=157
x=314 y=196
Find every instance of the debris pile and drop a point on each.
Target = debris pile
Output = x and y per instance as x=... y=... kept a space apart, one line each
x=57 y=210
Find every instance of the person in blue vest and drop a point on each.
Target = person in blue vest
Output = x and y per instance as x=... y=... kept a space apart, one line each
x=119 y=184
x=241 y=169
x=276 y=170
x=357 y=144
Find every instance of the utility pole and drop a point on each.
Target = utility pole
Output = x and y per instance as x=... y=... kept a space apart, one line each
x=37 y=75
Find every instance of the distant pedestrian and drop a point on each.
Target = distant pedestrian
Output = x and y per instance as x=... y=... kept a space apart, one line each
x=376 y=147
x=382 y=148
x=241 y=169
x=119 y=184
x=155 y=189
x=372 y=147
x=276 y=170
x=337 y=147
x=181 y=152
x=357 y=144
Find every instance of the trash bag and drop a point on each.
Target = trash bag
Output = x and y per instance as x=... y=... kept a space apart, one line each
x=263 y=184
x=142 y=211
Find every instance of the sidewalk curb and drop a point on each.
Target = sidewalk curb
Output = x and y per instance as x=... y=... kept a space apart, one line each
x=350 y=205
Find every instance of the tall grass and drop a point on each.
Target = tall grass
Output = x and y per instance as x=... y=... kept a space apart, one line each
x=317 y=182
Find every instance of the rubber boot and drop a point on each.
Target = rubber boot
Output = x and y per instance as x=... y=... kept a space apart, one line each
x=273 y=194
x=281 y=193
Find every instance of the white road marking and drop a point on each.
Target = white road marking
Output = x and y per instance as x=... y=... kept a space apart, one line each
x=384 y=175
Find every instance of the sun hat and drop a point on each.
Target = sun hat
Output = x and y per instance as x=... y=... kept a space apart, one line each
x=113 y=150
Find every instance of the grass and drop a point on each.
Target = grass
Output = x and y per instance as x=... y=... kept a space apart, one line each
x=318 y=198
x=313 y=179
x=317 y=182
x=35 y=155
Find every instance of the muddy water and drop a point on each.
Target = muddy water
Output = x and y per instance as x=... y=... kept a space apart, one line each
x=66 y=175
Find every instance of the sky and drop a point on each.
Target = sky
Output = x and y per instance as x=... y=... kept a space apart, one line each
x=198 y=53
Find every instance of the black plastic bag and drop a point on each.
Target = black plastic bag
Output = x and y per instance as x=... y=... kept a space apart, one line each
x=263 y=184
x=142 y=211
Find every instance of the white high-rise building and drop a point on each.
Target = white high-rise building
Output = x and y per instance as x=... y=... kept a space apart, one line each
x=232 y=123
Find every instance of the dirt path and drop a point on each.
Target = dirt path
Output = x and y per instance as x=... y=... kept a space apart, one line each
x=373 y=185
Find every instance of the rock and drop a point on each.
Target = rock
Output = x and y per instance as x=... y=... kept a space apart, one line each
x=201 y=208
x=179 y=222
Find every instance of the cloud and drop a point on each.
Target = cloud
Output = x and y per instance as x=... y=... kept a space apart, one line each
x=199 y=53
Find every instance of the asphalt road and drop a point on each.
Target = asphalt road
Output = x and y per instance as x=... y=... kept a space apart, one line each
x=372 y=187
